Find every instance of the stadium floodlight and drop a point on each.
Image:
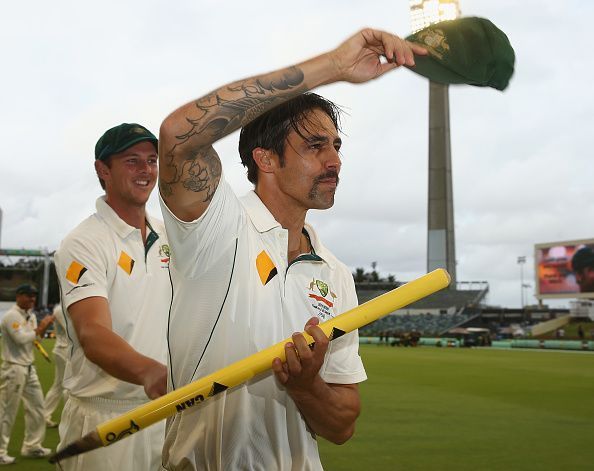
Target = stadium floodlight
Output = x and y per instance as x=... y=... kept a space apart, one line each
x=441 y=245
x=427 y=12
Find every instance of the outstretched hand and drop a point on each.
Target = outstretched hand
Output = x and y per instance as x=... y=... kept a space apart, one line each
x=359 y=58
x=303 y=364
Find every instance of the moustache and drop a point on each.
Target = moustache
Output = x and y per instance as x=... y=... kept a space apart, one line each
x=329 y=174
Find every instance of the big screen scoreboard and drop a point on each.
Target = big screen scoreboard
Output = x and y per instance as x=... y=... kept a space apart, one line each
x=555 y=276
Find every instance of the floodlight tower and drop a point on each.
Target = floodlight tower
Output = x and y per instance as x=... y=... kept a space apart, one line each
x=441 y=247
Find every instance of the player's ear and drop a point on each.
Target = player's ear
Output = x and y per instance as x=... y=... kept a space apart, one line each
x=102 y=170
x=264 y=159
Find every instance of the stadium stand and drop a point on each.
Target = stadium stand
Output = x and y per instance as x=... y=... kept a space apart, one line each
x=431 y=316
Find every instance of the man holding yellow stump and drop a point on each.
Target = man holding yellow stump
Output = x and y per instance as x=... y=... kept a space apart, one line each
x=247 y=272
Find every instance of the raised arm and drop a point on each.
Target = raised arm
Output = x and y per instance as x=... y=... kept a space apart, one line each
x=189 y=167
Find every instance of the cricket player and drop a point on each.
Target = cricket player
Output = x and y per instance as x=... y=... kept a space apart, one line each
x=248 y=272
x=55 y=392
x=113 y=274
x=18 y=377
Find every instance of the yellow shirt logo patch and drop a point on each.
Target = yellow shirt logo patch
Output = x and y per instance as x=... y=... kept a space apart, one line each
x=126 y=262
x=75 y=272
x=265 y=267
x=16 y=325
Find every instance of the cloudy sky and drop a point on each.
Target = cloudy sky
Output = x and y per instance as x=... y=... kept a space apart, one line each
x=521 y=169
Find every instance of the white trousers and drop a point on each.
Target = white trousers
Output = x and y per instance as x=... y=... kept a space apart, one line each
x=53 y=396
x=21 y=382
x=140 y=451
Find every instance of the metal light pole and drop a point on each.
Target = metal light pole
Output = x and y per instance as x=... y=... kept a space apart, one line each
x=521 y=262
x=441 y=247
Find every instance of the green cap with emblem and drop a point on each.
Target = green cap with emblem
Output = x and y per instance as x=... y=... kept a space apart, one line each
x=120 y=138
x=469 y=51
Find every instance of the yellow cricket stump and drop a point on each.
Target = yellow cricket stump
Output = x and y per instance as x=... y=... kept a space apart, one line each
x=39 y=347
x=198 y=391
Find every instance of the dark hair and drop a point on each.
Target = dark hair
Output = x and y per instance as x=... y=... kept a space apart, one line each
x=270 y=130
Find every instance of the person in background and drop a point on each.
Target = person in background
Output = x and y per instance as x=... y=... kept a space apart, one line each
x=18 y=376
x=55 y=392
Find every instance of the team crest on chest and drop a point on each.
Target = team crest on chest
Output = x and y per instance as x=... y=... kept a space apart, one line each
x=322 y=298
x=165 y=255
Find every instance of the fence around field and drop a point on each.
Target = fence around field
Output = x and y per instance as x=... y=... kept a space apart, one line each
x=425 y=341
x=584 y=345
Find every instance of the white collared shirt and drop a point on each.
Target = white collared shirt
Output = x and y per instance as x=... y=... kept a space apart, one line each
x=105 y=257
x=234 y=294
x=18 y=332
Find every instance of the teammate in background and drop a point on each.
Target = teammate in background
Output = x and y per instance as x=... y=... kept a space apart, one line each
x=55 y=393
x=18 y=377
x=582 y=263
x=113 y=273
x=248 y=272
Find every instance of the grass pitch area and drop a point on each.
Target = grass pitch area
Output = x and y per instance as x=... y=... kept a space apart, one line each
x=428 y=408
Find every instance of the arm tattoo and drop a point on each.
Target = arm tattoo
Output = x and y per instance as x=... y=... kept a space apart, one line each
x=203 y=174
x=219 y=114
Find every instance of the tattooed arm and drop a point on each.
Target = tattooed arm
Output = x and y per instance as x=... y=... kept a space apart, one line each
x=189 y=167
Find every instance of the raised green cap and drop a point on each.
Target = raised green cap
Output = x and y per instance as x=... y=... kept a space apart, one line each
x=469 y=51
x=120 y=138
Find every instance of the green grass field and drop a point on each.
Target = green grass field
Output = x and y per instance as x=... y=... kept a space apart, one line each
x=439 y=409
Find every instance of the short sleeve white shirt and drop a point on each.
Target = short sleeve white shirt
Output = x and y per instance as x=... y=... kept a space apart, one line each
x=18 y=332
x=106 y=257
x=233 y=295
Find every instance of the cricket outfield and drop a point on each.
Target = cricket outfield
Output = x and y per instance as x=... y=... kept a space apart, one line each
x=431 y=408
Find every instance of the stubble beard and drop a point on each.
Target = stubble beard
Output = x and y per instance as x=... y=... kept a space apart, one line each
x=323 y=200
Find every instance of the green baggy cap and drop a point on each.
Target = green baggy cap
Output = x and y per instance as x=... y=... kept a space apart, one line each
x=121 y=137
x=469 y=50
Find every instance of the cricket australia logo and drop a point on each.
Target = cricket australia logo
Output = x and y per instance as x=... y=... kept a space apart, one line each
x=322 y=299
x=165 y=254
x=434 y=41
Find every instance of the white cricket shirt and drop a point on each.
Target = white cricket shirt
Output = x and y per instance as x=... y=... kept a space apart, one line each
x=18 y=332
x=106 y=257
x=234 y=295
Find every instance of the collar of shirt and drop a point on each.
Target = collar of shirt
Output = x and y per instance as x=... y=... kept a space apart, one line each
x=22 y=312
x=121 y=228
x=264 y=221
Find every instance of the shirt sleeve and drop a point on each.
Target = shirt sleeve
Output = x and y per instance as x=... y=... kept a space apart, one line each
x=342 y=364
x=82 y=269
x=197 y=245
x=18 y=332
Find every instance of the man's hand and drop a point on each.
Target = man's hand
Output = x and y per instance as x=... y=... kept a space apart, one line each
x=155 y=381
x=300 y=371
x=330 y=410
x=358 y=59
